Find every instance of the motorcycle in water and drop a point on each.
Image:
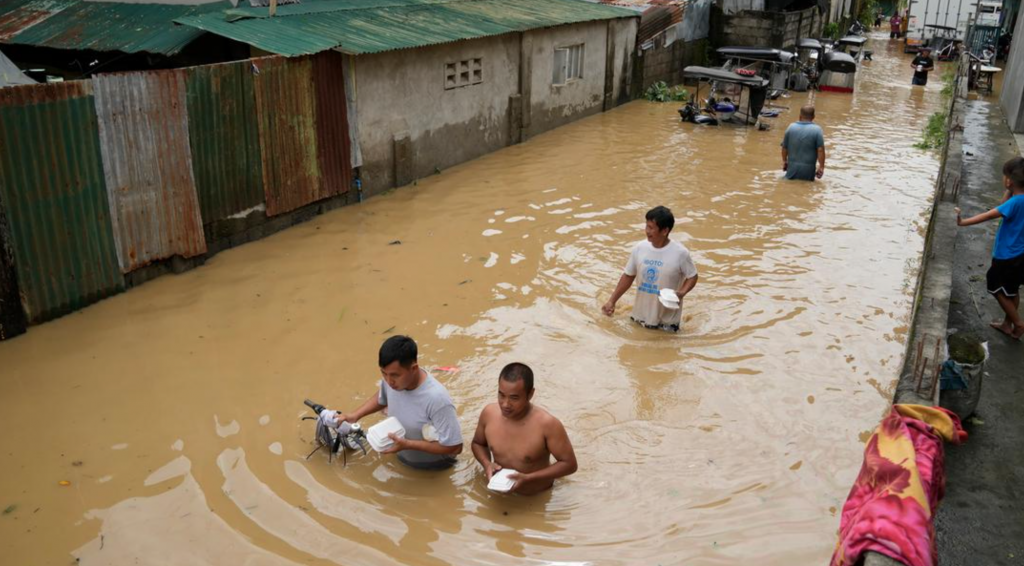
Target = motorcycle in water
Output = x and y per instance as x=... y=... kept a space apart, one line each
x=856 y=28
x=335 y=436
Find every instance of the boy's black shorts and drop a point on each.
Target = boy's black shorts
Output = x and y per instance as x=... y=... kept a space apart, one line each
x=1006 y=276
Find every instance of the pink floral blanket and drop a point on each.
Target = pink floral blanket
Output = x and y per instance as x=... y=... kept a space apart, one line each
x=891 y=505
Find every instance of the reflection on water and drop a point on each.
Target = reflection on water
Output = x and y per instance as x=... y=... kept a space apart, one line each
x=731 y=442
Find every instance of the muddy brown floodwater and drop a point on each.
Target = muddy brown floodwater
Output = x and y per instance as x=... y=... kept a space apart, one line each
x=173 y=409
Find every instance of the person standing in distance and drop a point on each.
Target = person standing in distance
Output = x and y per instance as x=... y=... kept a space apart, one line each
x=894 y=26
x=661 y=263
x=416 y=399
x=802 y=145
x=922 y=64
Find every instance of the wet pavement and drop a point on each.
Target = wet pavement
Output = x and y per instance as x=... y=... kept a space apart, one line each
x=173 y=410
x=981 y=520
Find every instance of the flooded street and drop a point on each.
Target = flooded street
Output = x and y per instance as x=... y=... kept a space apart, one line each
x=173 y=409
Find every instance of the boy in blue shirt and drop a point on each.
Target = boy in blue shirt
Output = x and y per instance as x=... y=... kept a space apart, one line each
x=1007 y=272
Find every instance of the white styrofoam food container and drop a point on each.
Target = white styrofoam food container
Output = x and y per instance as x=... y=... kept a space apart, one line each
x=669 y=299
x=500 y=481
x=377 y=435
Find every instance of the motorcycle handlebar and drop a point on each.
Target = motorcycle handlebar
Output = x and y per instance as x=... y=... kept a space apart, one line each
x=316 y=407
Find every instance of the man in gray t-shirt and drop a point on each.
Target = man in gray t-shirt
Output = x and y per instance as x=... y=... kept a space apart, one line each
x=433 y=436
x=802 y=145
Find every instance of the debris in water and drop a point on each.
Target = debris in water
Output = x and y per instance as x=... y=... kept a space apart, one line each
x=10 y=509
x=395 y=243
x=388 y=331
x=975 y=421
x=64 y=483
x=464 y=281
x=76 y=463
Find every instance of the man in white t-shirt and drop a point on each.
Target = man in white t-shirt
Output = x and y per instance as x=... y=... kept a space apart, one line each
x=661 y=264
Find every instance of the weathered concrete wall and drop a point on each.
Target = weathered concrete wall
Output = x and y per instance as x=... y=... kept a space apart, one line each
x=548 y=106
x=765 y=29
x=1013 y=83
x=623 y=34
x=666 y=63
x=410 y=126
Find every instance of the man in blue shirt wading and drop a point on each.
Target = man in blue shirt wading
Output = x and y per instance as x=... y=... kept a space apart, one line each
x=1007 y=272
x=803 y=144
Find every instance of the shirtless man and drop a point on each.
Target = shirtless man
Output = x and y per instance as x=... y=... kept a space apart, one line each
x=522 y=437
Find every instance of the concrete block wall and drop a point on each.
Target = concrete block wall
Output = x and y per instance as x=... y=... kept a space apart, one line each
x=765 y=29
x=666 y=63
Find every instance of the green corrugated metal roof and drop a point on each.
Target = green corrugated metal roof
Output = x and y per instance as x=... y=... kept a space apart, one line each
x=373 y=26
x=101 y=26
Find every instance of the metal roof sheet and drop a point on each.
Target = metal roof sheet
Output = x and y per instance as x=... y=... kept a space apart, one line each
x=225 y=139
x=18 y=15
x=285 y=106
x=51 y=177
x=373 y=26
x=100 y=26
x=147 y=163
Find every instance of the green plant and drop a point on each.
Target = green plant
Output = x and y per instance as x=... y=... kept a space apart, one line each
x=933 y=136
x=867 y=13
x=660 y=92
x=948 y=84
x=831 y=30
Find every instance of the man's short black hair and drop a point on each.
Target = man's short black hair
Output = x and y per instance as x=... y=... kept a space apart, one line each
x=516 y=371
x=662 y=217
x=401 y=349
x=1014 y=171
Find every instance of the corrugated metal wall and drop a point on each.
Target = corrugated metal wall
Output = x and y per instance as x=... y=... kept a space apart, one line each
x=147 y=162
x=334 y=154
x=102 y=177
x=225 y=139
x=286 y=109
x=55 y=197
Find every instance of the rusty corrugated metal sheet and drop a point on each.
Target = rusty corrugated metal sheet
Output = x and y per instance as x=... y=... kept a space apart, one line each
x=373 y=26
x=17 y=16
x=51 y=176
x=225 y=139
x=143 y=125
x=110 y=26
x=288 y=148
x=333 y=145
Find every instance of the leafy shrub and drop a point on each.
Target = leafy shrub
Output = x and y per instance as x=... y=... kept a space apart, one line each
x=831 y=30
x=934 y=134
x=660 y=92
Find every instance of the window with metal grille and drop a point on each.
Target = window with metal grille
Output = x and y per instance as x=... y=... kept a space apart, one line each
x=463 y=73
x=568 y=64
